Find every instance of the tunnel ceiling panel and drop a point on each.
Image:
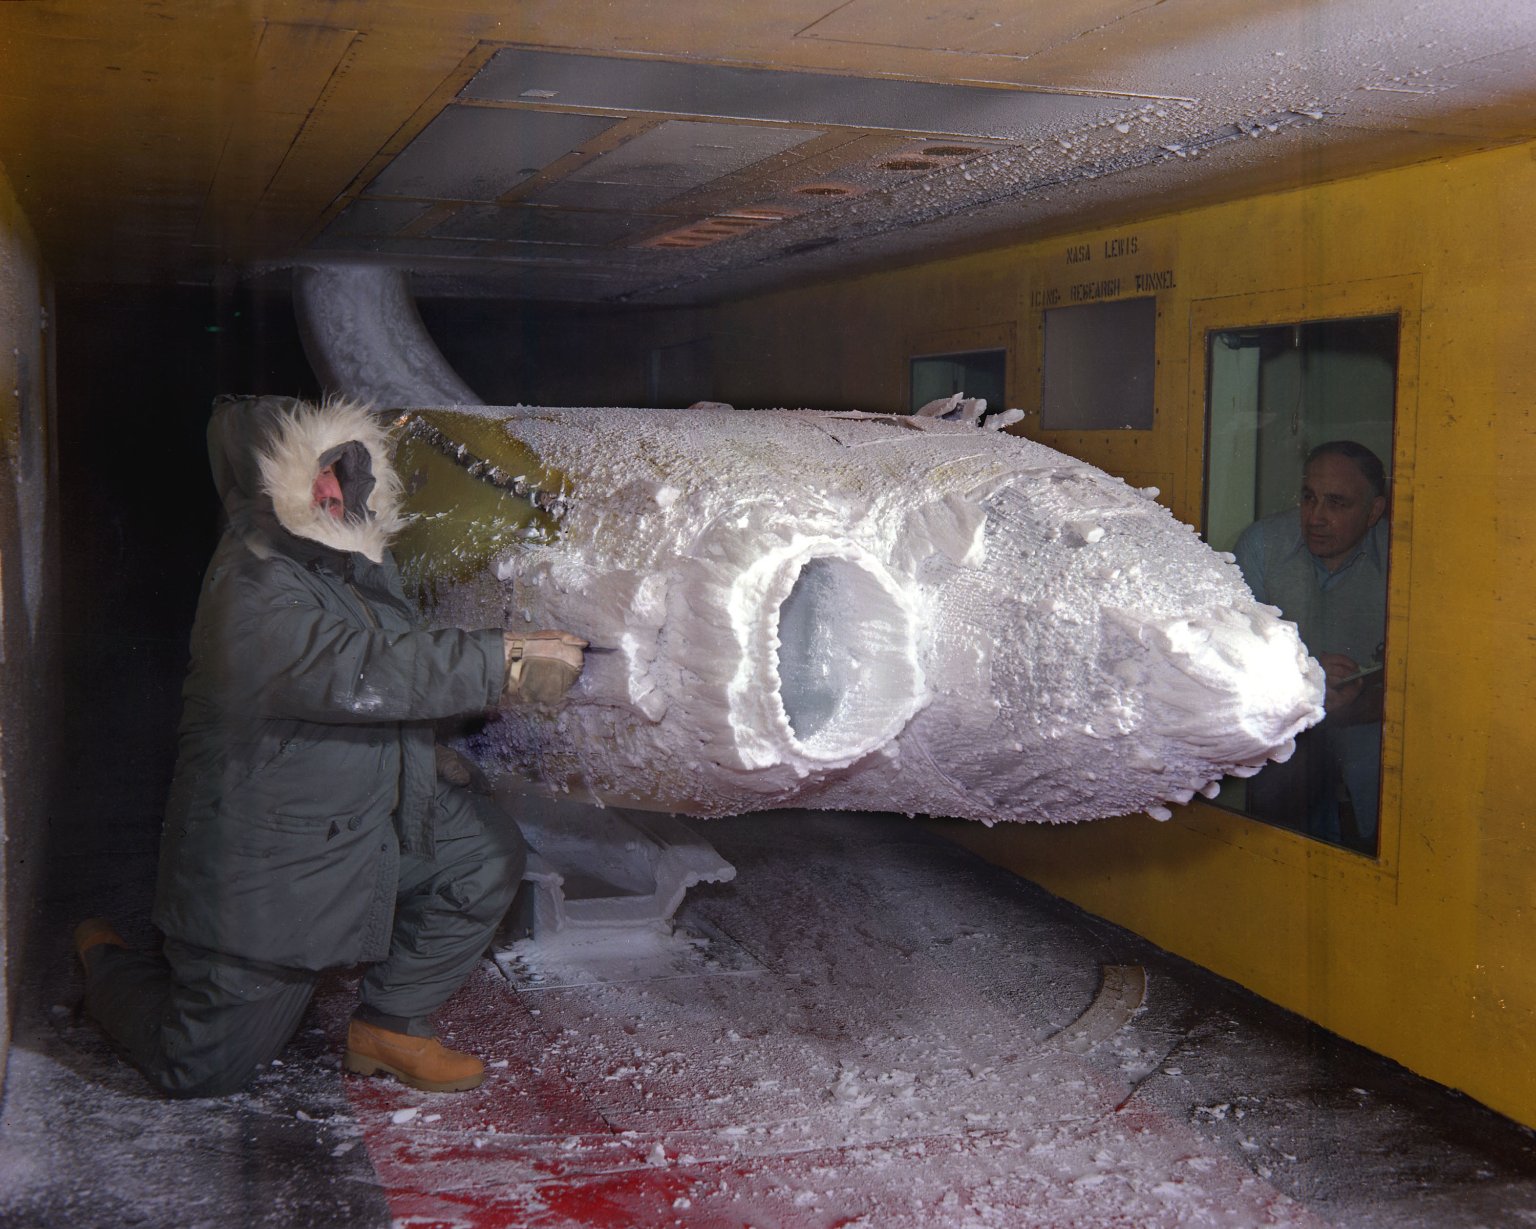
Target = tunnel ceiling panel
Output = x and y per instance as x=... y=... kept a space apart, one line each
x=727 y=91
x=703 y=152
x=1015 y=28
x=668 y=160
x=533 y=224
x=363 y=218
x=479 y=154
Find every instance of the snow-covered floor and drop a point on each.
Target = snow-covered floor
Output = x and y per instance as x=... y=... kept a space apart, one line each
x=868 y=1027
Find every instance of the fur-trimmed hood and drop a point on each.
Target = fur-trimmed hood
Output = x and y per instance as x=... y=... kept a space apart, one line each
x=266 y=453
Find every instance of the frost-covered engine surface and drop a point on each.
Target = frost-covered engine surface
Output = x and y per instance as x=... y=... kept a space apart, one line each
x=846 y=611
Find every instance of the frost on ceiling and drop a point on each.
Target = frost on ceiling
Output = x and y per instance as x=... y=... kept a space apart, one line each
x=554 y=175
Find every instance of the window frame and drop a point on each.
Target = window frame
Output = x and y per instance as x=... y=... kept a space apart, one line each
x=1148 y=303
x=973 y=339
x=1206 y=489
x=1400 y=296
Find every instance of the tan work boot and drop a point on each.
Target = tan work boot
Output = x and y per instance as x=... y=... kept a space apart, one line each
x=95 y=932
x=421 y=1062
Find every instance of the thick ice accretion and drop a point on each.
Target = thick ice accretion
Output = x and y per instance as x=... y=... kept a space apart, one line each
x=828 y=668
x=850 y=611
x=1225 y=683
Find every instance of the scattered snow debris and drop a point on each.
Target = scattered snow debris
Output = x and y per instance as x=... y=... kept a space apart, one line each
x=892 y=966
x=400 y=1117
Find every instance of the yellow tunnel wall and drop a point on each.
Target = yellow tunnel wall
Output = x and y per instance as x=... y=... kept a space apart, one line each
x=1424 y=954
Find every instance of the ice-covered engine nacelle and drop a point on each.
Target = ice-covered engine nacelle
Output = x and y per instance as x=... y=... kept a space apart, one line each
x=845 y=611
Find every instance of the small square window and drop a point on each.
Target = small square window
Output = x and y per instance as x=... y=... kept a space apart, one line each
x=1099 y=364
x=976 y=373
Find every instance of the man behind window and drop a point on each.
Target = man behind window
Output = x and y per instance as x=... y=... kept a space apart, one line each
x=1326 y=569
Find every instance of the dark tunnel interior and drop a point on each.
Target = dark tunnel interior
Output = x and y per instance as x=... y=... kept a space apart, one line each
x=138 y=516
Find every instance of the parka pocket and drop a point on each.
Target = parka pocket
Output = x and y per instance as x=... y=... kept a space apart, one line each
x=320 y=775
x=244 y=768
x=301 y=825
x=271 y=836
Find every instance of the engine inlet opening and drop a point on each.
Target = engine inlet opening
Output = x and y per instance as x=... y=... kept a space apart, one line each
x=847 y=660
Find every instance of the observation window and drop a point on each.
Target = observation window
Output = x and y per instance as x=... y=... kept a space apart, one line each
x=1099 y=366
x=681 y=374
x=1298 y=486
x=976 y=373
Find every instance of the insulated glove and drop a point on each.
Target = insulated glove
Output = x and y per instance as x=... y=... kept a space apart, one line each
x=450 y=767
x=541 y=666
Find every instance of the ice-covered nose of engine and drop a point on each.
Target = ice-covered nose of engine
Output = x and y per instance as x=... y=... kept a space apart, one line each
x=1235 y=685
x=1096 y=658
x=1077 y=653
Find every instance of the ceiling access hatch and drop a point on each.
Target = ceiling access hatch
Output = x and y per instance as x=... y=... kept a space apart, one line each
x=482 y=153
x=533 y=224
x=369 y=218
x=665 y=87
x=675 y=157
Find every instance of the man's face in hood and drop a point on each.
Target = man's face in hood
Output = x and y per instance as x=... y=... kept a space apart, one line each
x=326 y=494
x=288 y=467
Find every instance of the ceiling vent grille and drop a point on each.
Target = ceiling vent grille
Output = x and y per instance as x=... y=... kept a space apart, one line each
x=829 y=189
x=715 y=228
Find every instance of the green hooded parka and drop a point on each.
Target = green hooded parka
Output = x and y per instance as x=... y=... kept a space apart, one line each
x=305 y=760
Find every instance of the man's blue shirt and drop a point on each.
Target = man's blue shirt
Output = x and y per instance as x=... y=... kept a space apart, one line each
x=1339 y=611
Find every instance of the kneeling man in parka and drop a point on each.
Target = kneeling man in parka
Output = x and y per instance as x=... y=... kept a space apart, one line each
x=307 y=827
